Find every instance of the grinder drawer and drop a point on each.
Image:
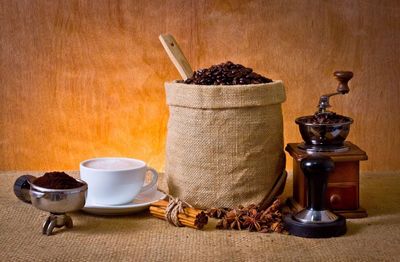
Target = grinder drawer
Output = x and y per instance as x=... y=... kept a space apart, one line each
x=342 y=196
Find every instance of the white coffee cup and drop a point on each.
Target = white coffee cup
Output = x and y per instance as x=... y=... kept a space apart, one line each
x=115 y=180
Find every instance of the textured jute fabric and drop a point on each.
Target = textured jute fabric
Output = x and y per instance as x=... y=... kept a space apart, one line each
x=224 y=143
x=140 y=237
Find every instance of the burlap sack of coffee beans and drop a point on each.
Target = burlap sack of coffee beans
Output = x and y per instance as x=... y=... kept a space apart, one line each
x=224 y=143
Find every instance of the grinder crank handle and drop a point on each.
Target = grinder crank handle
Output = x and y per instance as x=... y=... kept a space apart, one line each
x=343 y=77
x=343 y=88
x=316 y=169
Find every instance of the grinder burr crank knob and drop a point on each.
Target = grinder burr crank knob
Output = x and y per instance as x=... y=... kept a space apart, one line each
x=315 y=220
x=343 y=77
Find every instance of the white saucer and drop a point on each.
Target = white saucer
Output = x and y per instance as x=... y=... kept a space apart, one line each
x=140 y=203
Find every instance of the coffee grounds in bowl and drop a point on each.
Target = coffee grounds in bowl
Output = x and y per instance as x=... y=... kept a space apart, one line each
x=327 y=118
x=226 y=74
x=57 y=180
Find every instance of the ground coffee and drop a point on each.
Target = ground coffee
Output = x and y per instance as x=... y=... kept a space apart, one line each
x=226 y=74
x=57 y=180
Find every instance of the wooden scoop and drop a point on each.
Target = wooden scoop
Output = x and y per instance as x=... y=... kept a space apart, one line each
x=176 y=55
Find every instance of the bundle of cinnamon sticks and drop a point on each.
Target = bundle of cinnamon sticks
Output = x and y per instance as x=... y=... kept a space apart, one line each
x=191 y=217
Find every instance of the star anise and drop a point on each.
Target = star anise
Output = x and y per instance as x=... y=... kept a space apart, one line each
x=236 y=224
x=252 y=221
x=222 y=224
x=251 y=218
x=217 y=212
x=273 y=207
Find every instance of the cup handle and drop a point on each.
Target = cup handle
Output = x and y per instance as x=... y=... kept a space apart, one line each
x=153 y=180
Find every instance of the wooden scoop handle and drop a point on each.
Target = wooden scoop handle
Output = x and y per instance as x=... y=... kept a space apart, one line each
x=176 y=55
x=343 y=77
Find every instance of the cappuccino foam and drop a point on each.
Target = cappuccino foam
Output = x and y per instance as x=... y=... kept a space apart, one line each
x=112 y=164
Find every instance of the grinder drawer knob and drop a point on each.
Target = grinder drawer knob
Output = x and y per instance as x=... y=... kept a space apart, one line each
x=335 y=199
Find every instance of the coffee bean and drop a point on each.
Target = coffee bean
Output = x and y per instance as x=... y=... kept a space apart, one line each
x=226 y=74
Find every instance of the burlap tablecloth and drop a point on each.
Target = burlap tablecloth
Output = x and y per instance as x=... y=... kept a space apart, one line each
x=140 y=237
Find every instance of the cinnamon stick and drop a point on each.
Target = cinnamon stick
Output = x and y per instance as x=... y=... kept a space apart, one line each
x=183 y=222
x=191 y=217
x=188 y=210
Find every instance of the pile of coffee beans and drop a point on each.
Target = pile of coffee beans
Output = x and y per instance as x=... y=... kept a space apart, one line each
x=226 y=74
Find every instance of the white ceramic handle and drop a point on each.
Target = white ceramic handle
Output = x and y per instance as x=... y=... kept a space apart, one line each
x=154 y=180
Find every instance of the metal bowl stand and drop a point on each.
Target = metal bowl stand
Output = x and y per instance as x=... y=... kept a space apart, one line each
x=58 y=221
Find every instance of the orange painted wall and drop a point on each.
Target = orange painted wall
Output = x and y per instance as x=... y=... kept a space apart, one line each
x=80 y=79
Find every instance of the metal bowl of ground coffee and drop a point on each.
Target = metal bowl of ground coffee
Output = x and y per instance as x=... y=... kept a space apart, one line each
x=58 y=200
x=54 y=192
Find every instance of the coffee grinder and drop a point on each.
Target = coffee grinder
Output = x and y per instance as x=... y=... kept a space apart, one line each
x=325 y=171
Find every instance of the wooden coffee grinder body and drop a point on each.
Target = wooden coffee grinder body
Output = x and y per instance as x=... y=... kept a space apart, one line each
x=342 y=194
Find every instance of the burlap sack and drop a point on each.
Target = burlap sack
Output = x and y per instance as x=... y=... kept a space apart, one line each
x=224 y=143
